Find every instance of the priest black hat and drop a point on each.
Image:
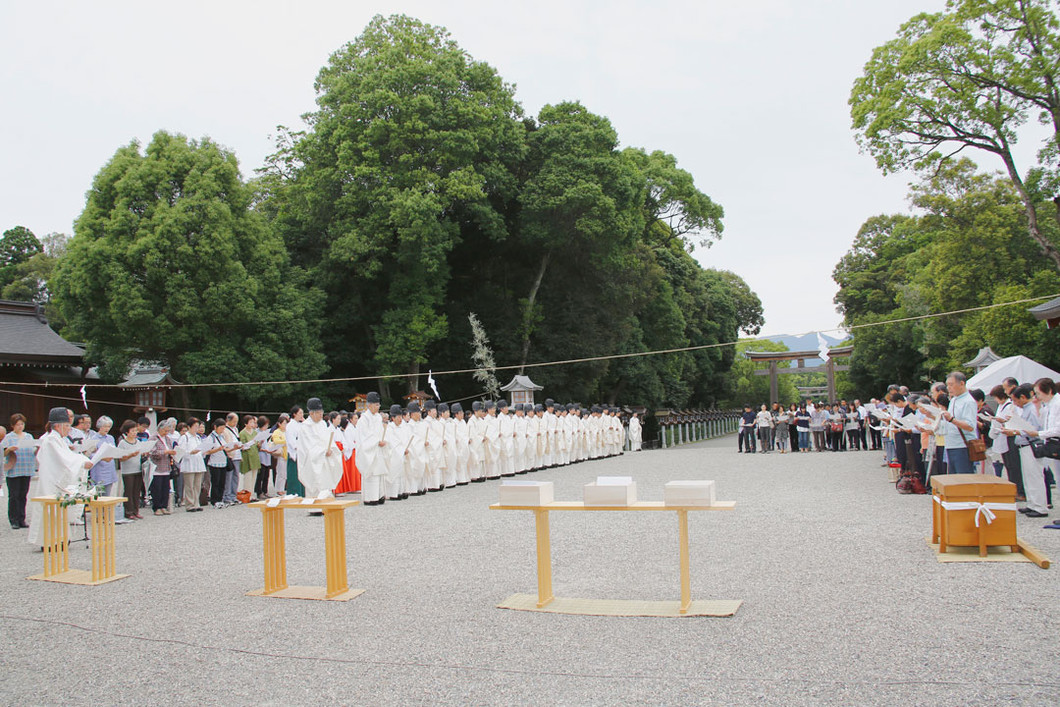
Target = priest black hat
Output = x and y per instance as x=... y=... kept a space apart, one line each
x=314 y=404
x=539 y=408
x=430 y=405
x=395 y=410
x=413 y=407
x=58 y=415
x=476 y=405
x=443 y=408
x=372 y=397
x=490 y=405
x=502 y=404
x=456 y=407
x=549 y=402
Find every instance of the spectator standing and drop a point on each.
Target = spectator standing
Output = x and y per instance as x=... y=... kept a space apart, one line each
x=802 y=427
x=104 y=472
x=265 y=459
x=1030 y=466
x=250 y=456
x=162 y=460
x=764 y=423
x=23 y=460
x=782 y=422
x=961 y=414
x=192 y=465
x=129 y=465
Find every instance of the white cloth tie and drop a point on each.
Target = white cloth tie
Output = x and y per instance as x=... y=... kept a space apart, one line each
x=984 y=509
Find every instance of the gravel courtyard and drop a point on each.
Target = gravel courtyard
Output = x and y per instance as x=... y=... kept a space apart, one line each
x=844 y=602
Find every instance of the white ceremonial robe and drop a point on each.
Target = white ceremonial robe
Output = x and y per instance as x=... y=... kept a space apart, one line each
x=635 y=433
x=493 y=446
x=317 y=470
x=449 y=451
x=463 y=451
x=435 y=432
x=521 y=442
x=532 y=438
x=506 y=463
x=57 y=467
x=371 y=458
x=417 y=468
x=397 y=443
x=476 y=427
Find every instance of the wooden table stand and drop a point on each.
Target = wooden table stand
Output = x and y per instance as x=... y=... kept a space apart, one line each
x=274 y=546
x=57 y=542
x=547 y=601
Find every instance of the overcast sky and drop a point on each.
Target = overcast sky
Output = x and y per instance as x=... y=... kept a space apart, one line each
x=749 y=96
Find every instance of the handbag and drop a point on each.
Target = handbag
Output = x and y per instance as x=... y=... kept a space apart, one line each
x=1047 y=448
x=976 y=447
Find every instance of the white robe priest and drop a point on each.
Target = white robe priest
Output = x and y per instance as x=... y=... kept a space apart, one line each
x=319 y=458
x=57 y=468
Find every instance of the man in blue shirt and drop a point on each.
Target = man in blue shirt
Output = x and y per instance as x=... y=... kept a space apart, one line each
x=959 y=424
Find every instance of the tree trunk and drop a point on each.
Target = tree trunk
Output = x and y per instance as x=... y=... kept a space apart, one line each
x=414 y=377
x=530 y=308
x=384 y=389
x=1047 y=247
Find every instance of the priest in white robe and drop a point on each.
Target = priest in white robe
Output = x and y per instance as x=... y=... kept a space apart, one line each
x=319 y=457
x=57 y=467
x=372 y=453
x=635 y=433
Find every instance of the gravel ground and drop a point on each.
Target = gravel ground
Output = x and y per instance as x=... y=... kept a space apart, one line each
x=844 y=603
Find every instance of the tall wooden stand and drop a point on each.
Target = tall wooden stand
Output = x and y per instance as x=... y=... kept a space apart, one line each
x=545 y=597
x=274 y=546
x=57 y=542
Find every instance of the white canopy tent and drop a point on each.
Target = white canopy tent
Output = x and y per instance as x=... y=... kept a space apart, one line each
x=1021 y=368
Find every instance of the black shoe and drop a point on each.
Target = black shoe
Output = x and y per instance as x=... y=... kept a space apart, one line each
x=15 y=526
x=1036 y=514
x=1024 y=510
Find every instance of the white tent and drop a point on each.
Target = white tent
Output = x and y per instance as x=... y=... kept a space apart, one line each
x=1021 y=368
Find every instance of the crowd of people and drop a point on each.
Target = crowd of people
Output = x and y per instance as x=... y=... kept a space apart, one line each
x=928 y=434
x=808 y=427
x=403 y=452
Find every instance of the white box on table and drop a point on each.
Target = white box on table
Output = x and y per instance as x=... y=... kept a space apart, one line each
x=689 y=493
x=610 y=491
x=526 y=493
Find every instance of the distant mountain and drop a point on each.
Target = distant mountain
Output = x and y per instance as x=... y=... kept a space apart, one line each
x=806 y=342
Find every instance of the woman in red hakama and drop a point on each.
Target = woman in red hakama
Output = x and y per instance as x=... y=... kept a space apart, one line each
x=351 y=478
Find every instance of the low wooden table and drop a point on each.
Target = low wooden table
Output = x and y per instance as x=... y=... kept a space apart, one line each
x=57 y=539
x=971 y=510
x=544 y=543
x=275 y=551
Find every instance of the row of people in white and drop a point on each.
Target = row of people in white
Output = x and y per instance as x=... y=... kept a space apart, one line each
x=411 y=454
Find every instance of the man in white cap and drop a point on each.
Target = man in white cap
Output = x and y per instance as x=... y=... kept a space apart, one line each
x=372 y=452
x=57 y=467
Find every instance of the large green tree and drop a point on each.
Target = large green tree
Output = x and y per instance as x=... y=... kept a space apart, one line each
x=17 y=246
x=411 y=145
x=169 y=263
x=969 y=77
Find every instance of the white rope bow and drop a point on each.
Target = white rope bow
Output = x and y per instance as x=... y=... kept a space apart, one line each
x=984 y=509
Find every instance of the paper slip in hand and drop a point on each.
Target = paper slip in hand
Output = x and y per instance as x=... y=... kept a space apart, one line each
x=27 y=443
x=146 y=447
x=1018 y=424
x=105 y=451
x=909 y=422
x=931 y=410
x=260 y=436
x=86 y=447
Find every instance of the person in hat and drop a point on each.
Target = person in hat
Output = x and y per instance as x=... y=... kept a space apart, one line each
x=463 y=445
x=548 y=430
x=537 y=437
x=399 y=438
x=293 y=436
x=493 y=441
x=476 y=428
x=520 y=423
x=372 y=452
x=417 y=469
x=320 y=459
x=505 y=440
x=635 y=432
x=435 y=436
x=57 y=467
x=448 y=445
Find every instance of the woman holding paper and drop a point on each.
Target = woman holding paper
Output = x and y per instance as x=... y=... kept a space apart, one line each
x=251 y=461
x=103 y=473
x=129 y=464
x=192 y=464
x=22 y=449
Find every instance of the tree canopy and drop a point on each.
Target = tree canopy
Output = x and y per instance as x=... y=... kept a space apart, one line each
x=969 y=77
x=169 y=263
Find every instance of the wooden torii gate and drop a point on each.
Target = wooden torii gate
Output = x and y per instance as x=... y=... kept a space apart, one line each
x=773 y=357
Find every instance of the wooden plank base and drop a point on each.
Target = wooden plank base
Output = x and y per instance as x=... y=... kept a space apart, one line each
x=999 y=553
x=621 y=607
x=1034 y=554
x=76 y=577
x=316 y=593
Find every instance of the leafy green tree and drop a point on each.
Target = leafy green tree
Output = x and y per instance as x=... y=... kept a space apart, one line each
x=17 y=245
x=412 y=144
x=969 y=77
x=169 y=263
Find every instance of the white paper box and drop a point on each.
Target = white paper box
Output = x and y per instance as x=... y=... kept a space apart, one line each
x=595 y=494
x=689 y=493
x=526 y=493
